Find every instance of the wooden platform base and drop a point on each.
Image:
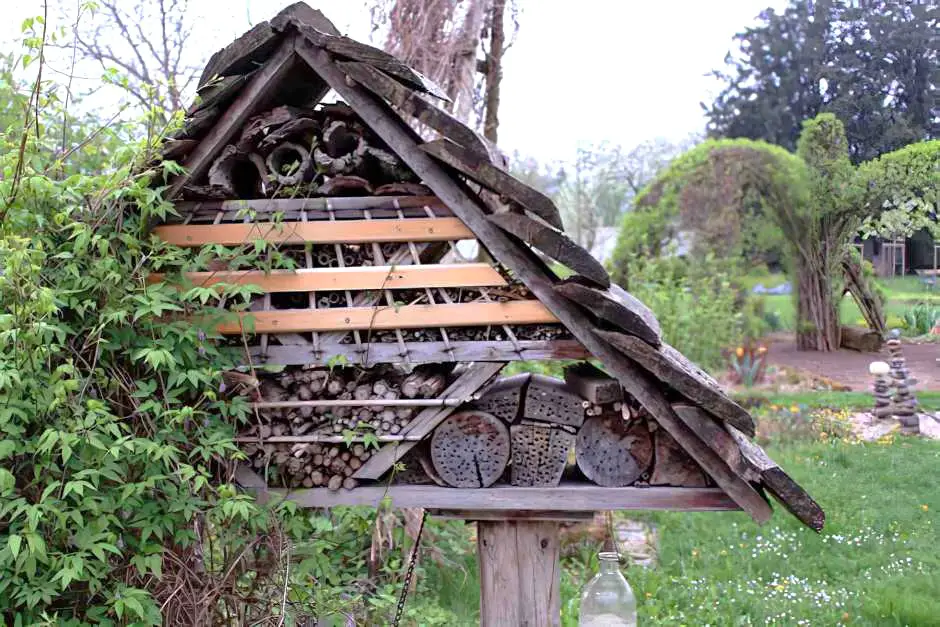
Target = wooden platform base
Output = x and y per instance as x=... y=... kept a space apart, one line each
x=569 y=497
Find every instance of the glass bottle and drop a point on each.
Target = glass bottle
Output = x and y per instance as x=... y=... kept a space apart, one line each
x=607 y=600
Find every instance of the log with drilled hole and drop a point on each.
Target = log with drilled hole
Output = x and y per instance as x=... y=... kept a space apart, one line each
x=613 y=452
x=470 y=449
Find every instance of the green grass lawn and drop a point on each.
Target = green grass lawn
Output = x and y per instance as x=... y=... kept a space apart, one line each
x=901 y=294
x=928 y=399
x=876 y=563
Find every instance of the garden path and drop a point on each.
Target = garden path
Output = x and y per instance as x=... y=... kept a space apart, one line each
x=851 y=368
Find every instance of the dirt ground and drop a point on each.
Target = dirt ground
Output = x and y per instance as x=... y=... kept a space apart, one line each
x=851 y=368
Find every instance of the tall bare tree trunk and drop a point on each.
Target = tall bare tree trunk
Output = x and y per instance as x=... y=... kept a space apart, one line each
x=494 y=69
x=465 y=59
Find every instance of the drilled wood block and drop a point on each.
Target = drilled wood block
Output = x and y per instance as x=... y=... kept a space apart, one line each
x=593 y=384
x=539 y=454
x=613 y=452
x=503 y=398
x=470 y=449
x=550 y=400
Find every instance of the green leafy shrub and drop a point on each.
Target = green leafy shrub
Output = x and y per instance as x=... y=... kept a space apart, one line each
x=695 y=304
x=116 y=442
x=921 y=318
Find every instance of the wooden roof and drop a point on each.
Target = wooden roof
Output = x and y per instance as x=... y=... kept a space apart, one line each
x=299 y=56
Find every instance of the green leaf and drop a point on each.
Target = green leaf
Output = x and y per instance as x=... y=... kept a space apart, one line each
x=14 y=542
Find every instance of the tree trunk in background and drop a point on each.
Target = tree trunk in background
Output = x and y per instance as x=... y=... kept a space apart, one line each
x=465 y=58
x=817 y=320
x=494 y=69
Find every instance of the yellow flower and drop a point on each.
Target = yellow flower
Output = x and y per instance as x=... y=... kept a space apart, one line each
x=694 y=552
x=649 y=595
x=823 y=434
x=925 y=507
x=774 y=408
x=740 y=351
x=794 y=409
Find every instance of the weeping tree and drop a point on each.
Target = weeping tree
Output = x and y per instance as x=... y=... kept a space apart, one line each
x=739 y=196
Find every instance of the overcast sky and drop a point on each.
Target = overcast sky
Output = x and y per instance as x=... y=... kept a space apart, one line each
x=580 y=72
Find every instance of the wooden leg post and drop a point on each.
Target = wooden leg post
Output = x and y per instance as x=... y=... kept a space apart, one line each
x=520 y=573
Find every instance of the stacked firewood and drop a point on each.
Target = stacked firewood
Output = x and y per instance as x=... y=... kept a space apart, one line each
x=368 y=386
x=289 y=151
x=331 y=463
x=308 y=464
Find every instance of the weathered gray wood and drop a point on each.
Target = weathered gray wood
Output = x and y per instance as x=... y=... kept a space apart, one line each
x=301 y=12
x=218 y=92
x=318 y=208
x=473 y=165
x=503 y=398
x=553 y=243
x=549 y=400
x=196 y=125
x=419 y=352
x=612 y=452
x=790 y=494
x=374 y=57
x=260 y=85
x=673 y=466
x=592 y=384
x=243 y=54
x=860 y=339
x=411 y=103
x=539 y=454
x=469 y=382
x=616 y=306
x=522 y=262
x=672 y=368
x=714 y=434
x=581 y=497
x=290 y=129
x=176 y=149
x=520 y=573
x=470 y=449
x=526 y=515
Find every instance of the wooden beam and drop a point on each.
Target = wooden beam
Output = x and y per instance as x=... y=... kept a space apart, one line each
x=553 y=243
x=413 y=104
x=472 y=165
x=579 y=497
x=418 y=352
x=240 y=55
x=790 y=494
x=520 y=262
x=325 y=205
x=520 y=573
x=352 y=278
x=261 y=85
x=338 y=232
x=388 y=317
x=614 y=305
x=672 y=368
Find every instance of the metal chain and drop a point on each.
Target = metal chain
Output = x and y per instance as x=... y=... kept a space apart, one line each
x=410 y=572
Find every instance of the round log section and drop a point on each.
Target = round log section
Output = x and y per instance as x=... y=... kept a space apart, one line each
x=612 y=452
x=470 y=449
x=288 y=163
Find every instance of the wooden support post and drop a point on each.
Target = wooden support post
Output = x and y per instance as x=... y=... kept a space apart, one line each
x=520 y=573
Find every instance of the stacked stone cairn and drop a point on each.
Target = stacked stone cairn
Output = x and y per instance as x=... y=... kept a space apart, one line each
x=881 y=389
x=905 y=403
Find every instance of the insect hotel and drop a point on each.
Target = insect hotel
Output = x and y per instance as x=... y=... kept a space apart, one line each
x=390 y=341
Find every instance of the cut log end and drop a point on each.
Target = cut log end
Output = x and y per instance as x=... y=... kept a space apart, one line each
x=470 y=449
